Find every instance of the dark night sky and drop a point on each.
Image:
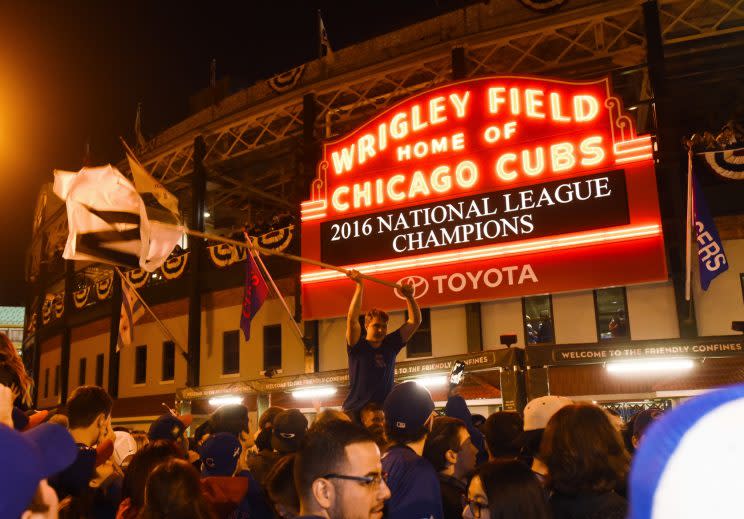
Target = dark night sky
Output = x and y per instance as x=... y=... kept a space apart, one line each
x=75 y=71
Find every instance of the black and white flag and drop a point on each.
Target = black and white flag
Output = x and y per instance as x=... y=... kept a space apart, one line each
x=324 y=48
x=109 y=222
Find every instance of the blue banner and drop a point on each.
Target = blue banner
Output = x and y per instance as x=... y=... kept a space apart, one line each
x=711 y=257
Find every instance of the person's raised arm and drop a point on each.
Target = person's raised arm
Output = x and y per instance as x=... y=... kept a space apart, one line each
x=353 y=328
x=414 y=314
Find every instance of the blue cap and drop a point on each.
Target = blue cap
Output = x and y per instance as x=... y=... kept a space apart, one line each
x=220 y=455
x=407 y=407
x=168 y=427
x=689 y=462
x=28 y=458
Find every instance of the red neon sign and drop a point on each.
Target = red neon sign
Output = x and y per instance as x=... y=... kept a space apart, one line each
x=475 y=154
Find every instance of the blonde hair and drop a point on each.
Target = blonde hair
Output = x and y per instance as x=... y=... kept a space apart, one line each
x=10 y=360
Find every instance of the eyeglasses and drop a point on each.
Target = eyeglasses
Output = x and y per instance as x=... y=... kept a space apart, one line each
x=476 y=507
x=367 y=481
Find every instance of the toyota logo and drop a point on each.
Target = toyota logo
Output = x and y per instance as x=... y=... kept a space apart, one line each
x=420 y=286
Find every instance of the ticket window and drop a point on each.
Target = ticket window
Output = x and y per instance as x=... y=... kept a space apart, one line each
x=537 y=312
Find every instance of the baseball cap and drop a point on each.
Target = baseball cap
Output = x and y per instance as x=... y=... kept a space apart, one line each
x=539 y=411
x=220 y=455
x=288 y=431
x=124 y=447
x=643 y=419
x=33 y=456
x=689 y=462
x=169 y=427
x=408 y=406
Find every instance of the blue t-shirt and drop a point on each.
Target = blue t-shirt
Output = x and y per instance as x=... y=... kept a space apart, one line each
x=371 y=370
x=414 y=486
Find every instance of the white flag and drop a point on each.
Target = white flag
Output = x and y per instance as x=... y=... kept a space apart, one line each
x=146 y=184
x=109 y=222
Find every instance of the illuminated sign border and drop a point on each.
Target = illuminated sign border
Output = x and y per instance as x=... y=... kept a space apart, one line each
x=626 y=150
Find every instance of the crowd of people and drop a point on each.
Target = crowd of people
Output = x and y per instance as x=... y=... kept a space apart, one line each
x=390 y=453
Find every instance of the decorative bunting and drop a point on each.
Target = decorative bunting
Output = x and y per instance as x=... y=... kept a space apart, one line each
x=542 y=5
x=59 y=305
x=277 y=240
x=174 y=267
x=103 y=287
x=727 y=163
x=286 y=81
x=138 y=277
x=80 y=297
x=222 y=255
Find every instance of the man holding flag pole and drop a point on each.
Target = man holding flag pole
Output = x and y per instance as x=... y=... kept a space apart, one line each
x=372 y=351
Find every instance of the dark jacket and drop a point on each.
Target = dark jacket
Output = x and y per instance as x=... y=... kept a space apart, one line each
x=608 y=505
x=453 y=491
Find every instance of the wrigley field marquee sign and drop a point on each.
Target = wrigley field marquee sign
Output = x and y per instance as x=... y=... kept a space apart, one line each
x=482 y=189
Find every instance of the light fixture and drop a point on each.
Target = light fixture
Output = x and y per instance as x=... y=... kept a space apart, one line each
x=432 y=381
x=207 y=214
x=314 y=392
x=225 y=400
x=651 y=365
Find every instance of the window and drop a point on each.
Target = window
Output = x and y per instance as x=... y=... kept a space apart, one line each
x=612 y=314
x=56 y=380
x=140 y=364
x=419 y=345
x=46 y=383
x=99 y=370
x=538 y=319
x=231 y=352
x=273 y=347
x=81 y=371
x=169 y=360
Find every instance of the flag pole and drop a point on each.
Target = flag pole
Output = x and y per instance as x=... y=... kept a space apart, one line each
x=688 y=229
x=269 y=252
x=263 y=268
x=129 y=150
x=163 y=328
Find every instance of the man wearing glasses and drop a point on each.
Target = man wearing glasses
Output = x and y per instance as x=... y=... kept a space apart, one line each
x=338 y=474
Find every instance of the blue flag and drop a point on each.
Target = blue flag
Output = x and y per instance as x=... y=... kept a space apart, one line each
x=254 y=295
x=711 y=257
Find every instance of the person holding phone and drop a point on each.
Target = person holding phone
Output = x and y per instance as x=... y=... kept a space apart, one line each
x=372 y=351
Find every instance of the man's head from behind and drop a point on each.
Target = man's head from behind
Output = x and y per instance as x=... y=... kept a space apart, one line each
x=338 y=472
x=375 y=323
x=89 y=410
x=408 y=412
x=232 y=419
x=502 y=431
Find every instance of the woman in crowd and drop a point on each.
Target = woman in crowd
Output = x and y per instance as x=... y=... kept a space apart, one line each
x=505 y=489
x=586 y=462
x=173 y=491
x=13 y=374
x=142 y=464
